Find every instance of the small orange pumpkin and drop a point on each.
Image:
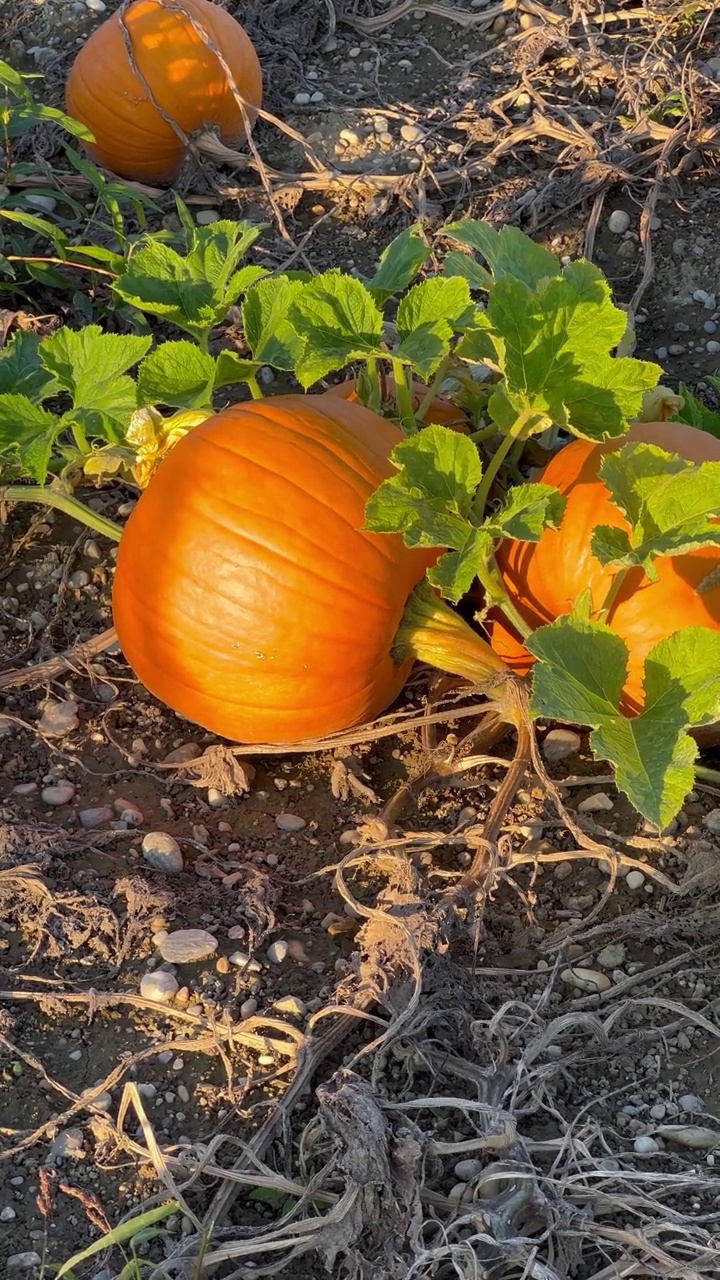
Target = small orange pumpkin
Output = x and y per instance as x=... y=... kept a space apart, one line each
x=147 y=68
x=441 y=410
x=544 y=579
x=247 y=595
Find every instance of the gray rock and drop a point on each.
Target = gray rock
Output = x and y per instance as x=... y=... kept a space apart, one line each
x=612 y=956
x=690 y=1102
x=159 y=985
x=45 y=204
x=59 y=718
x=645 y=1146
x=635 y=880
x=558 y=744
x=590 y=980
x=58 y=793
x=181 y=755
x=162 y=851
x=67 y=1145
x=598 y=803
x=563 y=870
x=185 y=946
x=205 y=217
x=278 y=951
x=7 y=1214
x=23 y=1261
x=618 y=222
x=466 y=1170
x=289 y=822
x=92 y=818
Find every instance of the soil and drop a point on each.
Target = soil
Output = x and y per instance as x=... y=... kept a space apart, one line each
x=591 y=1121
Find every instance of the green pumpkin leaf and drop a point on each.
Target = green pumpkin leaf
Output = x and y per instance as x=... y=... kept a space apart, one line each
x=27 y=435
x=427 y=318
x=697 y=414
x=338 y=321
x=667 y=501
x=526 y=511
x=430 y=499
x=178 y=375
x=230 y=370
x=454 y=573
x=399 y=264
x=579 y=679
x=91 y=366
x=21 y=370
x=557 y=341
x=508 y=252
x=268 y=331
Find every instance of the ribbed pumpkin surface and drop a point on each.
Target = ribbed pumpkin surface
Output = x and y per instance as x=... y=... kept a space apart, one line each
x=545 y=578
x=246 y=596
x=154 y=46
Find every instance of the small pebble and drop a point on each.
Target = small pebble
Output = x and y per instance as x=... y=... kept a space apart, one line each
x=96 y=6
x=635 y=880
x=349 y=137
x=23 y=1261
x=278 y=951
x=68 y=1144
x=612 y=956
x=590 y=980
x=204 y=217
x=595 y=804
x=558 y=744
x=466 y=1170
x=690 y=1102
x=160 y=986
x=243 y=961
x=162 y=852
x=7 y=1214
x=248 y=1007
x=562 y=871
x=712 y=347
x=222 y=965
x=92 y=818
x=645 y=1146
x=301 y=99
x=657 y=1112
x=289 y=822
x=186 y=946
x=59 y=718
x=57 y=794
x=380 y=125
x=79 y=579
x=412 y=133
x=291 y=1005
x=181 y=755
x=45 y=204
x=618 y=222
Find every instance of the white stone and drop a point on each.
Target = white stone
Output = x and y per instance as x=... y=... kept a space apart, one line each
x=43 y=204
x=466 y=1170
x=595 y=804
x=558 y=744
x=162 y=851
x=243 y=961
x=7 y=1214
x=278 y=951
x=301 y=99
x=712 y=347
x=160 y=986
x=293 y=1006
x=59 y=718
x=618 y=222
x=96 y=6
x=205 y=217
x=635 y=880
x=590 y=980
x=289 y=822
x=612 y=956
x=645 y=1146
x=185 y=946
x=58 y=793
x=412 y=133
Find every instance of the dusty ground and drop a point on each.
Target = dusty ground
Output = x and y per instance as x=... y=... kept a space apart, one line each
x=586 y=1126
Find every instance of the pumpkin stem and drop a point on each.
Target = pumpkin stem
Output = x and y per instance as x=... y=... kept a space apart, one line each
x=433 y=633
x=404 y=398
x=434 y=389
x=62 y=502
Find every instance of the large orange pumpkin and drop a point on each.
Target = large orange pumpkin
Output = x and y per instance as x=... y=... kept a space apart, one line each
x=545 y=578
x=246 y=595
x=442 y=410
x=148 y=67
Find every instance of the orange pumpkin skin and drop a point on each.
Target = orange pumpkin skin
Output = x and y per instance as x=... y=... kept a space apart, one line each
x=442 y=410
x=545 y=578
x=246 y=595
x=184 y=76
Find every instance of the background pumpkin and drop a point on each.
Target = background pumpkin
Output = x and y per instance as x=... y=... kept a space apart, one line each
x=151 y=45
x=442 y=410
x=263 y=612
x=544 y=579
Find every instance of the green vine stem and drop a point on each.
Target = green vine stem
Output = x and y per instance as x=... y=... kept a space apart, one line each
x=496 y=596
x=404 y=398
x=612 y=595
x=254 y=386
x=434 y=388
x=62 y=502
x=524 y=426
